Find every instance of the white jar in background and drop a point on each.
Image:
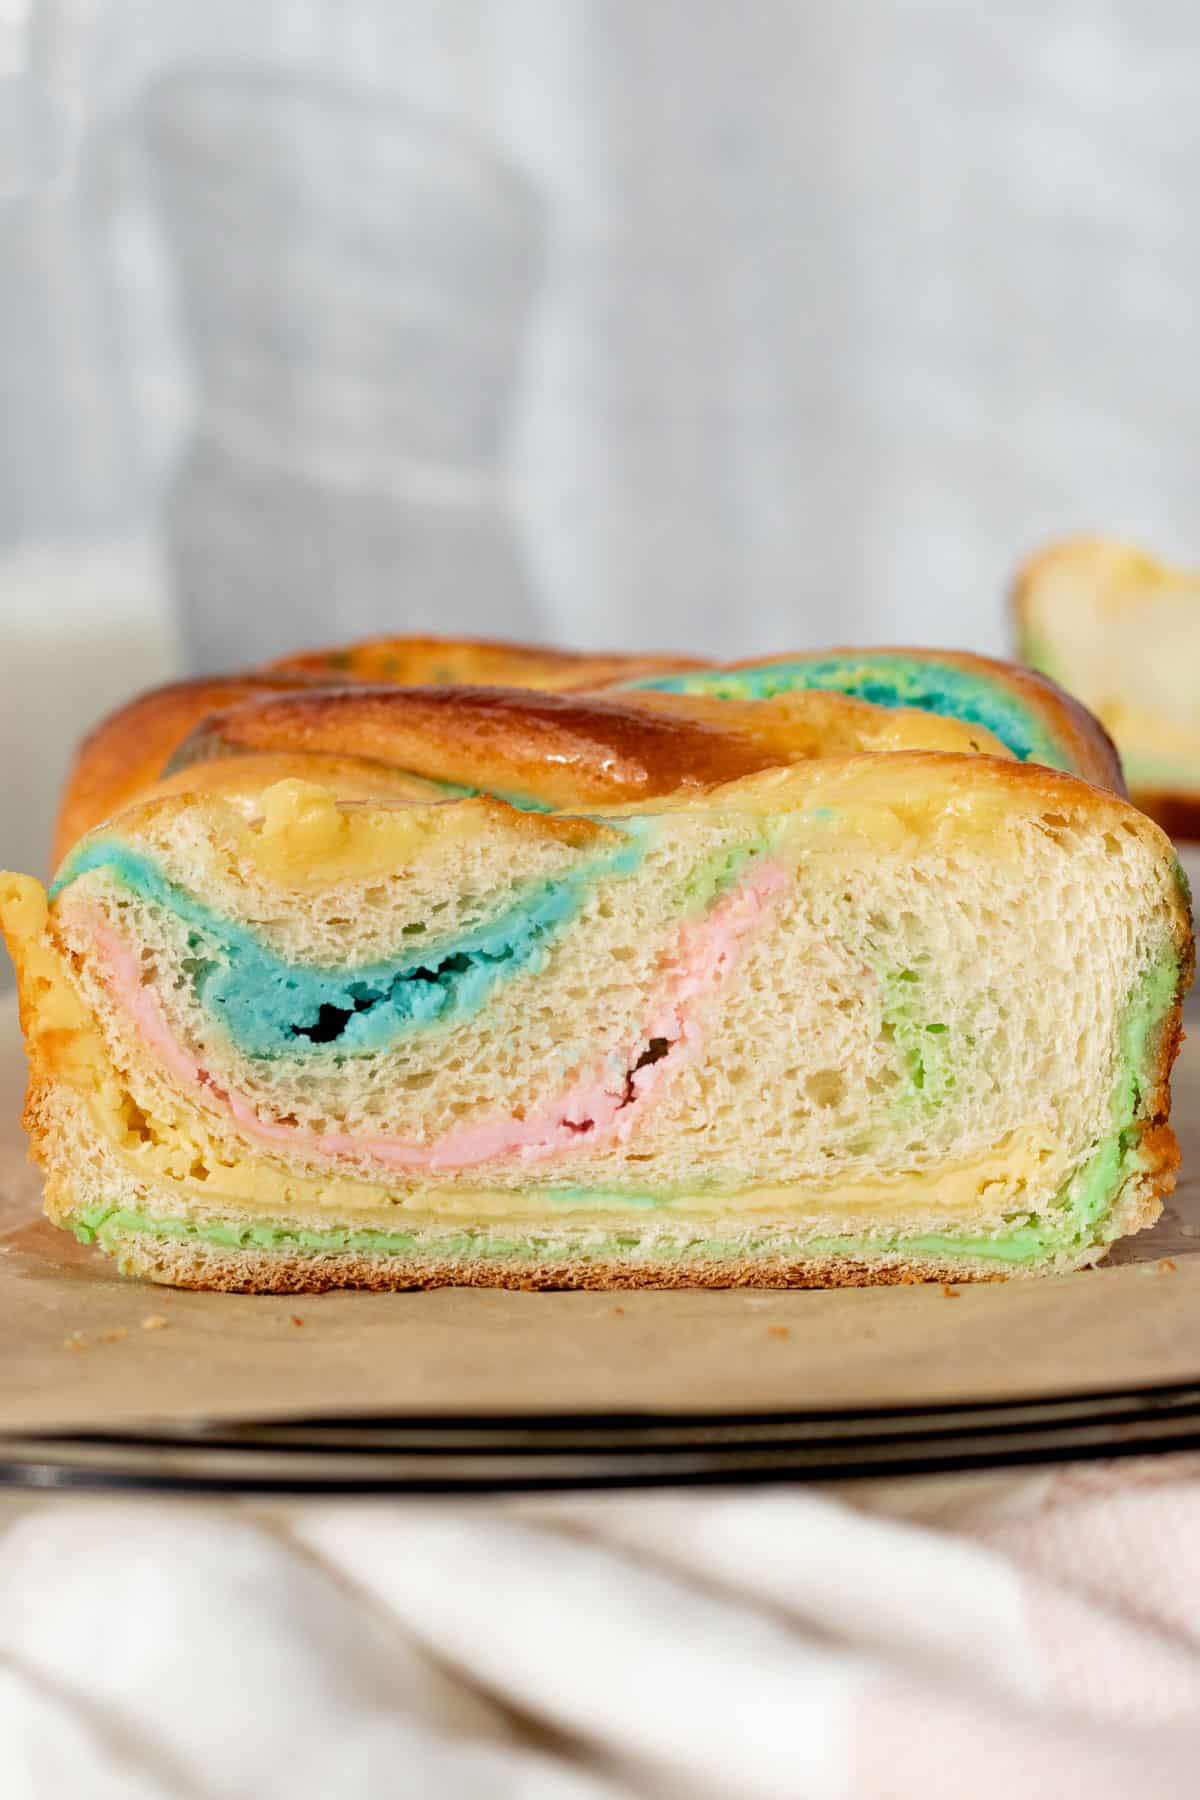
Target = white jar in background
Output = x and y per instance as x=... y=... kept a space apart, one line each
x=85 y=618
x=83 y=625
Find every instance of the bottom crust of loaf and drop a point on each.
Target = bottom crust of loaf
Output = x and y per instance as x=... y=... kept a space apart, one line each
x=271 y=1272
x=252 y=1271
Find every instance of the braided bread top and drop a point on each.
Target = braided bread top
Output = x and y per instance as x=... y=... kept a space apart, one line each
x=553 y=730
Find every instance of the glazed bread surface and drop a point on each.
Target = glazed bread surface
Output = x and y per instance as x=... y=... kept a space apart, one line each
x=725 y=977
x=129 y=751
x=334 y=702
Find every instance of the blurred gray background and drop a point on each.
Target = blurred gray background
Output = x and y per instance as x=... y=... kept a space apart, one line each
x=662 y=323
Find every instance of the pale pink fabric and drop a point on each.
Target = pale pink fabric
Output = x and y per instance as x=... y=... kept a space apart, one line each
x=1033 y=1635
x=1106 y=1560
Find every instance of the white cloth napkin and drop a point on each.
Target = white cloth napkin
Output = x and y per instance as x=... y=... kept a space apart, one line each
x=973 y=1636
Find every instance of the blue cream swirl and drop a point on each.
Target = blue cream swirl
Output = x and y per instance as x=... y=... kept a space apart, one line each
x=271 y=1006
x=890 y=681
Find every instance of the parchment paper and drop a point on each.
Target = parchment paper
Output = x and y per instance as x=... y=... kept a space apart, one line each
x=76 y=1350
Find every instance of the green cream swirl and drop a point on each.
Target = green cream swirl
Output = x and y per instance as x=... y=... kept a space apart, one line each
x=1075 y=1220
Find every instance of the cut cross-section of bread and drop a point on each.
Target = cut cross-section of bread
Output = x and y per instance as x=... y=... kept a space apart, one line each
x=796 y=989
x=1122 y=631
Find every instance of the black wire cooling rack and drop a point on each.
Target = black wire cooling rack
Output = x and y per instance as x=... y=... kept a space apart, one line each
x=491 y=1455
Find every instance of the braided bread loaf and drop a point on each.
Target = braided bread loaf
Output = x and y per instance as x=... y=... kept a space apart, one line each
x=1123 y=631
x=418 y=962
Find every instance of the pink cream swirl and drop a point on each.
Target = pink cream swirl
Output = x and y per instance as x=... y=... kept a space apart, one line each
x=594 y=1111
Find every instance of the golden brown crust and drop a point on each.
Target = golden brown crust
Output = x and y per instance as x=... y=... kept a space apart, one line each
x=1077 y=732
x=916 y=787
x=1158 y=1147
x=812 y=722
x=127 y=752
x=561 y=749
x=477 y=662
x=271 y=1272
x=610 y=752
